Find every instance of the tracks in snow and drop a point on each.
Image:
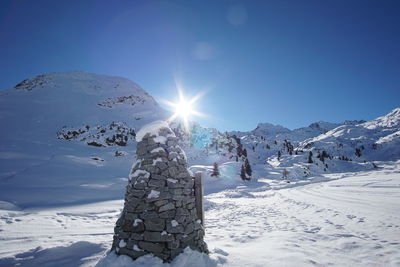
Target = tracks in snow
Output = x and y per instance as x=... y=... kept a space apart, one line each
x=343 y=222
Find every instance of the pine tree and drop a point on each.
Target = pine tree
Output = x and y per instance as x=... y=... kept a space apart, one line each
x=279 y=155
x=358 y=152
x=249 y=171
x=239 y=148
x=243 y=173
x=285 y=173
x=310 y=157
x=215 y=170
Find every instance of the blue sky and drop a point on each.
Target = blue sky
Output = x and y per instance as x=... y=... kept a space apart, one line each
x=284 y=62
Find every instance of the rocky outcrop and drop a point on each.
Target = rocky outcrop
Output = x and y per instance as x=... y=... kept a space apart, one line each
x=159 y=215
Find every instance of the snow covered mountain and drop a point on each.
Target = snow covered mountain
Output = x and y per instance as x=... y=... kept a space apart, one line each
x=376 y=140
x=278 y=132
x=73 y=135
x=68 y=141
x=323 y=147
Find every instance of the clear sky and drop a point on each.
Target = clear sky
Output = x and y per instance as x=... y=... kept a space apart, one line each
x=284 y=62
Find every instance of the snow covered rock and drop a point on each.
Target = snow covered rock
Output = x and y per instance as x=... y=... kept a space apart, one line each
x=159 y=215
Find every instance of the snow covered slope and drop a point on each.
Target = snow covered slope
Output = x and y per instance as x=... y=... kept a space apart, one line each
x=278 y=132
x=70 y=137
x=320 y=195
x=322 y=147
x=351 y=219
x=73 y=135
x=39 y=105
x=377 y=139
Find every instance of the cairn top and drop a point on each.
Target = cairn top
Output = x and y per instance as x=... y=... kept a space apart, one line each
x=159 y=130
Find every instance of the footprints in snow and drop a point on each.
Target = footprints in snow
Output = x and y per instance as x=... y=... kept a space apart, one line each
x=244 y=220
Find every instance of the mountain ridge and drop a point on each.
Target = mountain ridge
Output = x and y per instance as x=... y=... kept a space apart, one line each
x=76 y=131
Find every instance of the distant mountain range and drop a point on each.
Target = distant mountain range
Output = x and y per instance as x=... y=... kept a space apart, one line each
x=75 y=132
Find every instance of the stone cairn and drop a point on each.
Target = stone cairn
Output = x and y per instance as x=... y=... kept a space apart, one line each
x=159 y=215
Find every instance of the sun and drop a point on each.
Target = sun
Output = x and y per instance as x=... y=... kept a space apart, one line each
x=184 y=108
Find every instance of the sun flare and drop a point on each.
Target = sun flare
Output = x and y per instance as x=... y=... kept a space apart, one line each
x=184 y=108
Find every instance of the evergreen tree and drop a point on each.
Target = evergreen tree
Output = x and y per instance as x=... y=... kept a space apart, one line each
x=243 y=173
x=279 y=155
x=249 y=171
x=323 y=155
x=320 y=157
x=289 y=147
x=239 y=148
x=310 y=157
x=285 y=173
x=215 y=170
x=358 y=152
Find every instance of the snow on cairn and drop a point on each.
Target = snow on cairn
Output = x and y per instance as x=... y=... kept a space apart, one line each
x=159 y=215
x=188 y=257
x=154 y=194
x=153 y=129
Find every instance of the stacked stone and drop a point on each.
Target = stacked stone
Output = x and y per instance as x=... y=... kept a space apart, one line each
x=159 y=215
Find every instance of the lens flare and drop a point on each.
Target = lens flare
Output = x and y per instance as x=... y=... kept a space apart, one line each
x=183 y=109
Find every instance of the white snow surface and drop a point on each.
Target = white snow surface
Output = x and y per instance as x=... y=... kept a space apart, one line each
x=122 y=244
x=158 y=149
x=187 y=258
x=344 y=219
x=142 y=173
x=37 y=168
x=153 y=194
x=60 y=197
x=136 y=222
x=136 y=248
x=156 y=160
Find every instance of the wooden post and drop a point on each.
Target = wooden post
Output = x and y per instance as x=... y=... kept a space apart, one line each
x=198 y=192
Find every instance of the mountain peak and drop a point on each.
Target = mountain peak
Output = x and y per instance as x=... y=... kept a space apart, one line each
x=78 y=80
x=390 y=120
x=269 y=128
x=323 y=125
x=394 y=112
x=48 y=102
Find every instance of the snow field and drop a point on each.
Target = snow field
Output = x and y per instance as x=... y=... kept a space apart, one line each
x=350 y=220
